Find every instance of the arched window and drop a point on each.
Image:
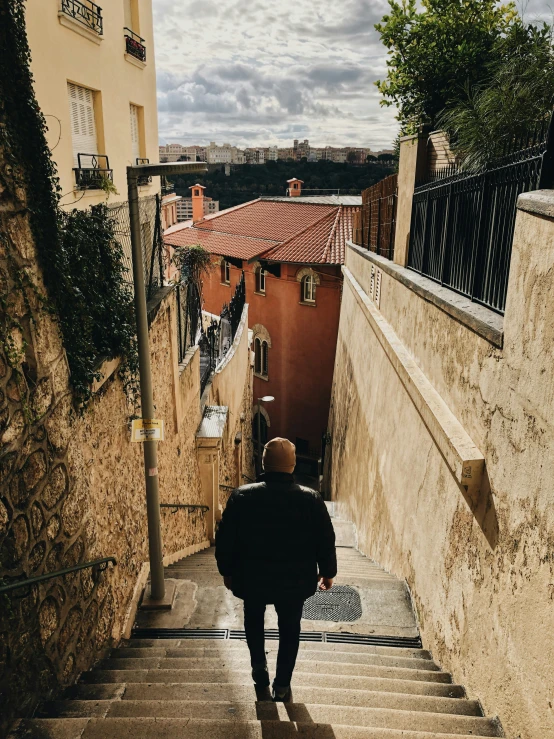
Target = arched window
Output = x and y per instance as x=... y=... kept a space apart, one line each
x=225 y=272
x=261 y=357
x=260 y=280
x=308 y=289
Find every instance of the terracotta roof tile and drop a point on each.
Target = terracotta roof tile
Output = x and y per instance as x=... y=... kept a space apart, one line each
x=283 y=231
x=227 y=245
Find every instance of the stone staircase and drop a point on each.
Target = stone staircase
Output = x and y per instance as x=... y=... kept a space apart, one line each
x=201 y=688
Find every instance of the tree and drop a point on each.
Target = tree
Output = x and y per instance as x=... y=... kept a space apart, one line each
x=436 y=48
x=352 y=157
x=511 y=105
x=371 y=158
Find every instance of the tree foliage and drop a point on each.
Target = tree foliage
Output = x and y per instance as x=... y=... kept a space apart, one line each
x=437 y=48
x=512 y=102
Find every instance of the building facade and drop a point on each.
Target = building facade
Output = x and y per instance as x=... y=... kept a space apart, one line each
x=291 y=251
x=95 y=83
x=184 y=208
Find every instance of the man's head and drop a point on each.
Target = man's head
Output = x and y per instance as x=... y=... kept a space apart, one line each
x=279 y=456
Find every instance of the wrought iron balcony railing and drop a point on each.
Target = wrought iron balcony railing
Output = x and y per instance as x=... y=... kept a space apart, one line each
x=145 y=179
x=92 y=172
x=134 y=45
x=85 y=12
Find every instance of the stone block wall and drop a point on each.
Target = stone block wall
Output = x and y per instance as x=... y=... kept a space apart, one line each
x=479 y=563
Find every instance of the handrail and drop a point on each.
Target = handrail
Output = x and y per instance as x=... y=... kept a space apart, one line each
x=101 y=564
x=189 y=506
x=227 y=487
x=245 y=477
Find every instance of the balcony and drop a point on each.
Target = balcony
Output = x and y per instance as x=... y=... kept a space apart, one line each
x=134 y=45
x=145 y=179
x=93 y=172
x=85 y=13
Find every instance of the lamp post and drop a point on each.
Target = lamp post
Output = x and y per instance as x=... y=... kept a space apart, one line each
x=265 y=399
x=157 y=584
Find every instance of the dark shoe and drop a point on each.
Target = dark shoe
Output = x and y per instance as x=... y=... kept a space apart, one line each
x=280 y=693
x=260 y=675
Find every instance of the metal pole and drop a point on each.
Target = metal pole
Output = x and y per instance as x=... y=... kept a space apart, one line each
x=259 y=437
x=157 y=585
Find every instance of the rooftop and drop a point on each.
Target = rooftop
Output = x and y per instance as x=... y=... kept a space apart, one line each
x=306 y=230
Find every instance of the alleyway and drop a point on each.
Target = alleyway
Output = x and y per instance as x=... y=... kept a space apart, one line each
x=186 y=673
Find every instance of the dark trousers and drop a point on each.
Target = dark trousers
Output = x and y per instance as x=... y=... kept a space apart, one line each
x=289 y=615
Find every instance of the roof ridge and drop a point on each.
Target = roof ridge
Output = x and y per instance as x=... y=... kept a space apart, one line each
x=230 y=233
x=281 y=244
x=332 y=234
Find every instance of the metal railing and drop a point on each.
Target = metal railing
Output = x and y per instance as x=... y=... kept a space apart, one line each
x=463 y=223
x=134 y=45
x=188 y=506
x=98 y=565
x=85 y=12
x=189 y=317
x=92 y=171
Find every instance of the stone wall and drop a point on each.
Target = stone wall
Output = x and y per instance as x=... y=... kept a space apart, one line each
x=479 y=562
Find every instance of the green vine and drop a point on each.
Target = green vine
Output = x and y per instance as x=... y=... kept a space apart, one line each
x=193 y=262
x=80 y=256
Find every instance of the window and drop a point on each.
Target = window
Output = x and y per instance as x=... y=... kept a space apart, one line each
x=83 y=124
x=261 y=358
x=260 y=280
x=135 y=136
x=308 y=289
x=225 y=272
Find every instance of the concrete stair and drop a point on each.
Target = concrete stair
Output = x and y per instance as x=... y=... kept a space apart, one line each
x=202 y=689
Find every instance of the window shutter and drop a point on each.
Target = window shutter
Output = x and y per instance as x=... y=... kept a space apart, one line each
x=265 y=359
x=83 y=125
x=135 y=132
x=128 y=15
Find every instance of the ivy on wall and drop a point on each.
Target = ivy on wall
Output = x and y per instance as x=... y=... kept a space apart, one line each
x=81 y=260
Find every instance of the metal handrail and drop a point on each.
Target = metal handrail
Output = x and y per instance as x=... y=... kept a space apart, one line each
x=189 y=506
x=245 y=477
x=101 y=564
x=227 y=487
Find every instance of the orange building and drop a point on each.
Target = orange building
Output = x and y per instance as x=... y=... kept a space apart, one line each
x=291 y=250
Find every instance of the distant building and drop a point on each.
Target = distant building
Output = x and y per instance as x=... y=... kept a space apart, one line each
x=255 y=156
x=271 y=154
x=184 y=208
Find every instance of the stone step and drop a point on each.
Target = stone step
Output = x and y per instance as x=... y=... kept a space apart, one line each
x=177 y=660
x=176 y=648
x=194 y=728
x=308 y=667
x=174 y=685
x=241 y=675
x=225 y=710
x=308 y=650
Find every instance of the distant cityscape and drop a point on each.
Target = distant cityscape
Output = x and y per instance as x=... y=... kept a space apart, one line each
x=227 y=154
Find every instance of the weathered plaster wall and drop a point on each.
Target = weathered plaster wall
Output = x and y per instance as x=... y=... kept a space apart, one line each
x=481 y=568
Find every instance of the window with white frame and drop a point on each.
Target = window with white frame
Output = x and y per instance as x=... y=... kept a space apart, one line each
x=225 y=272
x=260 y=280
x=83 y=123
x=308 y=289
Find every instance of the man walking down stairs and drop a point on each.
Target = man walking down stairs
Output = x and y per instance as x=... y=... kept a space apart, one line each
x=360 y=672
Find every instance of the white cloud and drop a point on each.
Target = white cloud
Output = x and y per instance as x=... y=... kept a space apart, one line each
x=253 y=73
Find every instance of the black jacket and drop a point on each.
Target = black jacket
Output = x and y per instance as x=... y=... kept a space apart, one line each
x=274 y=538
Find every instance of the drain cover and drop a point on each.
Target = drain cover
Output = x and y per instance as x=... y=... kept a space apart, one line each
x=341 y=603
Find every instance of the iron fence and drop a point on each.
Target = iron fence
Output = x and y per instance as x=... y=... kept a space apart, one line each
x=85 y=12
x=374 y=225
x=153 y=250
x=189 y=317
x=463 y=223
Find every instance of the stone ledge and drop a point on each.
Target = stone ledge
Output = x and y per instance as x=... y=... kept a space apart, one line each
x=539 y=202
x=462 y=456
x=479 y=319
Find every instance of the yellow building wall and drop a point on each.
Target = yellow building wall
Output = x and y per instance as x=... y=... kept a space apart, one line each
x=60 y=54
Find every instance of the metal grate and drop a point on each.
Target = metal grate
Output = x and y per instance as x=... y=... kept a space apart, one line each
x=273 y=634
x=342 y=603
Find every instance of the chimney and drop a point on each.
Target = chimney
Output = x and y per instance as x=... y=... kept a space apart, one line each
x=197 y=202
x=294 y=187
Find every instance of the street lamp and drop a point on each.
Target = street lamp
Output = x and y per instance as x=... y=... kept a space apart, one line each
x=157 y=598
x=265 y=399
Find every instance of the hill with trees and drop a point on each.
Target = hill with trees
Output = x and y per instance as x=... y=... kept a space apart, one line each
x=250 y=181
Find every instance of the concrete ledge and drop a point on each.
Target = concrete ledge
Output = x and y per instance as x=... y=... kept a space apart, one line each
x=482 y=321
x=236 y=341
x=462 y=456
x=539 y=202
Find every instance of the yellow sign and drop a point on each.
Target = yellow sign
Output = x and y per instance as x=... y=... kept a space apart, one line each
x=145 y=429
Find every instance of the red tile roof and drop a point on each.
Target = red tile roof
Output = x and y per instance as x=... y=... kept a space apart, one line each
x=284 y=231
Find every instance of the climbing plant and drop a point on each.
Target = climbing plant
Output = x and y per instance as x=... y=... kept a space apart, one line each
x=81 y=260
x=193 y=261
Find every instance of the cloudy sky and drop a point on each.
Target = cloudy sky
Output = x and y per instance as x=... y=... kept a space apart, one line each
x=254 y=72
